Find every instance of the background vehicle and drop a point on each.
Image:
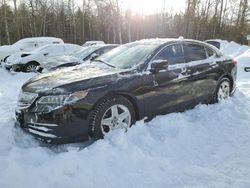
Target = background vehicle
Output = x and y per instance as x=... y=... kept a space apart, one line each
x=27 y=44
x=85 y=54
x=90 y=43
x=28 y=61
x=215 y=42
x=140 y=79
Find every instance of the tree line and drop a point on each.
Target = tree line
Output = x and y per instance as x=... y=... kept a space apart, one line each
x=110 y=21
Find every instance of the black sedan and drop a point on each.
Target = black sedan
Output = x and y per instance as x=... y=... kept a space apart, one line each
x=136 y=80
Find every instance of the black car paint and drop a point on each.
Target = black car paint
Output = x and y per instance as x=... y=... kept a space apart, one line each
x=150 y=93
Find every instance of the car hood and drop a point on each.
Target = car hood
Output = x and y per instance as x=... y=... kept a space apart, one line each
x=5 y=47
x=7 y=50
x=59 y=60
x=71 y=79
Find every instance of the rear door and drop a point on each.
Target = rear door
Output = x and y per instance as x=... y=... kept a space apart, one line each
x=201 y=65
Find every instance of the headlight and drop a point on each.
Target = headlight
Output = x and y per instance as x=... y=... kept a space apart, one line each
x=62 y=99
x=52 y=99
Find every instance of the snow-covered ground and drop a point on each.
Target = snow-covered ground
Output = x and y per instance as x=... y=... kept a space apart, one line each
x=204 y=147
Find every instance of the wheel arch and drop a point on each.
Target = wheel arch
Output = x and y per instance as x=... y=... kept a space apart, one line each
x=4 y=59
x=126 y=95
x=133 y=101
x=33 y=61
x=230 y=79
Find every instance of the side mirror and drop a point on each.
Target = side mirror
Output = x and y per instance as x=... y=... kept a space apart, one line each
x=93 y=56
x=158 y=65
x=247 y=69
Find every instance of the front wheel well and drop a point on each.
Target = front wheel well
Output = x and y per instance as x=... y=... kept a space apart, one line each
x=33 y=62
x=132 y=100
x=128 y=97
x=4 y=59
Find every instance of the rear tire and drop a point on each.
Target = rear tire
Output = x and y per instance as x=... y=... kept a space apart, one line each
x=31 y=67
x=223 y=90
x=111 y=113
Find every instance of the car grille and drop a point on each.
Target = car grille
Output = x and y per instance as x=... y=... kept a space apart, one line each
x=26 y=99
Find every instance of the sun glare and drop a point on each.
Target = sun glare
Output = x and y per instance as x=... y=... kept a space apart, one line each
x=153 y=6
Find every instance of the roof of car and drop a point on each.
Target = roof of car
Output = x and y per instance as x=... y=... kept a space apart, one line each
x=160 y=41
x=42 y=39
x=214 y=40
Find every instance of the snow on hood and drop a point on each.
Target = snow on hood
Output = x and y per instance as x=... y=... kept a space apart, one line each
x=14 y=58
x=49 y=81
x=59 y=60
x=7 y=47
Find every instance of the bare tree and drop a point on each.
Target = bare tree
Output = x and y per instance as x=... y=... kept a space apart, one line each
x=6 y=22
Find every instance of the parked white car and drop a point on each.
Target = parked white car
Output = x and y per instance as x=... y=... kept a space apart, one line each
x=28 y=61
x=27 y=44
x=85 y=54
x=92 y=42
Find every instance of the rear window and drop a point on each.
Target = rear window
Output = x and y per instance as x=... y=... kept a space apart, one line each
x=194 y=52
x=214 y=43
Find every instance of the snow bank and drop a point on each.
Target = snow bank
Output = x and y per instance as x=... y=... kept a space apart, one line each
x=240 y=53
x=204 y=147
x=232 y=48
x=243 y=61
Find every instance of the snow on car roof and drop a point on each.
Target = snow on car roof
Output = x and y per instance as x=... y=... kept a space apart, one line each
x=159 y=41
x=216 y=40
x=41 y=39
x=154 y=41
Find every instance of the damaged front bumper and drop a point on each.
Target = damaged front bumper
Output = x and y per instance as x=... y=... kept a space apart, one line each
x=63 y=125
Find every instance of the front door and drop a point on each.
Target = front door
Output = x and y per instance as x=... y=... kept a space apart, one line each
x=168 y=89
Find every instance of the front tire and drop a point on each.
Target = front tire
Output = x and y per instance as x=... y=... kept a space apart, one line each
x=31 y=67
x=110 y=114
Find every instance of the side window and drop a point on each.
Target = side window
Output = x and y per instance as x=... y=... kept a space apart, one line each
x=194 y=52
x=100 y=51
x=210 y=52
x=28 y=45
x=53 y=50
x=71 y=48
x=108 y=49
x=173 y=53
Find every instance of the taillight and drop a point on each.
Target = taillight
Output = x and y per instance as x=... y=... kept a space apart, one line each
x=234 y=62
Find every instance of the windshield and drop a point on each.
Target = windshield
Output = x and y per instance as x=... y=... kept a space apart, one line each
x=85 y=51
x=127 y=56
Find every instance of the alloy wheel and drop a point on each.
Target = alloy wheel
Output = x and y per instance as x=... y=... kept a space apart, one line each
x=116 y=117
x=31 y=68
x=224 y=90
